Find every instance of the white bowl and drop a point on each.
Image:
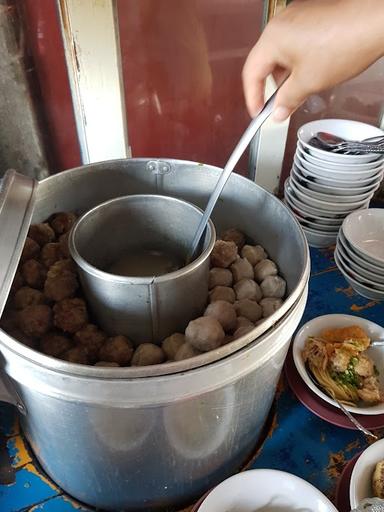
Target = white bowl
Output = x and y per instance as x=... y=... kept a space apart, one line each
x=346 y=182
x=314 y=328
x=356 y=274
x=319 y=239
x=335 y=166
x=331 y=206
x=360 y=486
x=332 y=190
x=316 y=219
x=290 y=193
x=265 y=489
x=359 y=288
x=365 y=232
x=347 y=199
x=318 y=228
x=360 y=269
x=345 y=128
x=353 y=255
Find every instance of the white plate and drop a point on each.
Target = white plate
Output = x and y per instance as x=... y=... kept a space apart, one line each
x=330 y=206
x=309 y=209
x=359 y=288
x=265 y=489
x=358 y=275
x=360 y=486
x=360 y=269
x=345 y=128
x=351 y=193
x=319 y=162
x=358 y=259
x=319 y=239
x=314 y=328
x=316 y=219
x=365 y=232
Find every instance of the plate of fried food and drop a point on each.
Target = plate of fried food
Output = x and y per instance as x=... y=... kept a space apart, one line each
x=335 y=357
x=367 y=479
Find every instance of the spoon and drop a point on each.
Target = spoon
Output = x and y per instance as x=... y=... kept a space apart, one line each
x=351 y=418
x=330 y=140
x=246 y=138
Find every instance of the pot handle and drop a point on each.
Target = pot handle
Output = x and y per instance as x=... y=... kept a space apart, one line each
x=9 y=394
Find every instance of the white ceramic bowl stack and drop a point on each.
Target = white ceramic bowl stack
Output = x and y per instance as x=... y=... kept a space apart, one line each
x=359 y=252
x=324 y=187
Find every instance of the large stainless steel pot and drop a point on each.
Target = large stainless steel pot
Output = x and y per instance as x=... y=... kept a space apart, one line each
x=144 y=438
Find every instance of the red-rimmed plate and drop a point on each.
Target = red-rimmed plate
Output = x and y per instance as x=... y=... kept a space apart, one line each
x=321 y=408
x=342 y=491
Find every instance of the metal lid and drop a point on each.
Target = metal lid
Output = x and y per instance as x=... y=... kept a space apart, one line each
x=17 y=194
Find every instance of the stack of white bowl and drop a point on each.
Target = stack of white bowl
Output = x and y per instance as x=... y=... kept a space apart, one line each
x=324 y=187
x=359 y=253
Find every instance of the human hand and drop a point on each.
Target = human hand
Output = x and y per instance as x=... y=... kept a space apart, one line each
x=313 y=45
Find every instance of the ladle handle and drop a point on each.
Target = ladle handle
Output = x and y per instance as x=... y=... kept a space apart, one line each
x=248 y=135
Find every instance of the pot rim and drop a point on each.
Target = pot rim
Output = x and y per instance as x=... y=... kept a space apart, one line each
x=178 y=367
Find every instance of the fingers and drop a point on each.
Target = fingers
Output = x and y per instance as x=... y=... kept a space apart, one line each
x=256 y=69
x=291 y=95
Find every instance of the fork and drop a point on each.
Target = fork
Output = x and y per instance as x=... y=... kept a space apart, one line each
x=351 y=418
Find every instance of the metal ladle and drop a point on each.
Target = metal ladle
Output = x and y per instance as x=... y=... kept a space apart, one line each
x=246 y=138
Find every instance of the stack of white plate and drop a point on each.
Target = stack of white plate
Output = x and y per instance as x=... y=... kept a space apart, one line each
x=359 y=252
x=324 y=187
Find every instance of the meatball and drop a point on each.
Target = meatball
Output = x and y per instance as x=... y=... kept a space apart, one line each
x=264 y=269
x=204 y=333
x=51 y=253
x=41 y=233
x=70 y=315
x=76 y=355
x=31 y=250
x=186 y=351
x=270 y=305
x=18 y=335
x=253 y=253
x=17 y=283
x=107 y=363
x=172 y=344
x=273 y=286
x=147 y=354
x=35 y=320
x=242 y=269
x=243 y=322
x=234 y=235
x=247 y=289
x=27 y=296
x=9 y=319
x=64 y=245
x=249 y=309
x=117 y=349
x=223 y=254
x=34 y=273
x=91 y=338
x=62 y=222
x=60 y=267
x=241 y=331
x=55 y=344
x=224 y=312
x=222 y=293
x=61 y=281
x=219 y=277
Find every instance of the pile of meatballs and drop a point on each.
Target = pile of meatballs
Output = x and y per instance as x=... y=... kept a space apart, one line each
x=47 y=311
